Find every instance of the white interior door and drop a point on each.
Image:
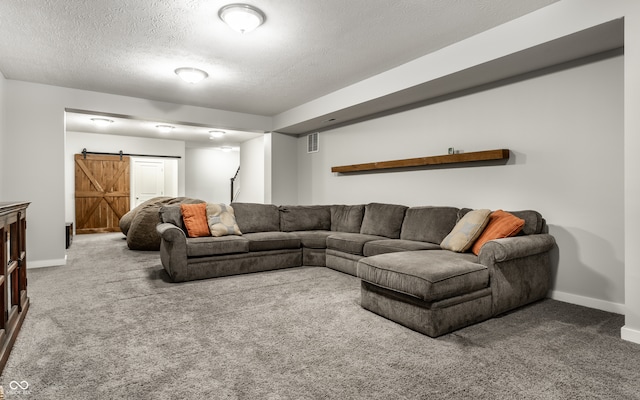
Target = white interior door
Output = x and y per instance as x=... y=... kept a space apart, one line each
x=148 y=180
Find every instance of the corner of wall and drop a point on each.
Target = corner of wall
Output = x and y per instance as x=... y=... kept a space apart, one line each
x=284 y=169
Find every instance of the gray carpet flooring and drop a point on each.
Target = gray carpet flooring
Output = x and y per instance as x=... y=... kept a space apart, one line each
x=109 y=325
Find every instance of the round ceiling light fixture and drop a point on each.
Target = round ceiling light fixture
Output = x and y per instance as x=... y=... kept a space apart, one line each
x=191 y=75
x=242 y=17
x=216 y=134
x=165 y=128
x=102 y=121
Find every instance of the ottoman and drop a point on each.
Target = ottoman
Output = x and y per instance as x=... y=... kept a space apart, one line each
x=430 y=291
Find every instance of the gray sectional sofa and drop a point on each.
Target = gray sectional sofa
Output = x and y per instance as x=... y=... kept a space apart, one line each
x=395 y=250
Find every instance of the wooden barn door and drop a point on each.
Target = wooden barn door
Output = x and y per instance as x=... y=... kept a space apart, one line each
x=102 y=192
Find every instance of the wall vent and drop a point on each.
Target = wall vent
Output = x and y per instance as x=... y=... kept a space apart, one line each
x=312 y=142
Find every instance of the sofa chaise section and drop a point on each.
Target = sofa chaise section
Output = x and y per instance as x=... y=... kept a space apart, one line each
x=432 y=295
x=437 y=292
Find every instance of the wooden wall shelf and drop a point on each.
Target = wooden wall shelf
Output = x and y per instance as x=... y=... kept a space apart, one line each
x=487 y=155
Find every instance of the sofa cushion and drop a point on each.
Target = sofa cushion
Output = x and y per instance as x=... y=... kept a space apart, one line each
x=195 y=219
x=466 y=231
x=221 y=220
x=255 y=217
x=428 y=224
x=171 y=214
x=533 y=222
x=347 y=218
x=427 y=275
x=262 y=241
x=352 y=243
x=393 y=245
x=305 y=218
x=501 y=225
x=383 y=220
x=314 y=239
x=210 y=246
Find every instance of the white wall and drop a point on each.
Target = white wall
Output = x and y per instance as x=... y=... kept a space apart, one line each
x=2 y=130
x=77 y=141
x=631 y=330
x=284 y=169
x=34 y=147
x=252 y=171
x=208 y=174
x=565 y=131
x=268 y=178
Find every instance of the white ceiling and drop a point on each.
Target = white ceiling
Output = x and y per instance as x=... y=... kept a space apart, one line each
x=306 y=48
x=194 y=135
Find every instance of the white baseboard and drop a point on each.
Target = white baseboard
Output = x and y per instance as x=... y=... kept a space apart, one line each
x=630 y=335
x=46 y=263
x=590 y=302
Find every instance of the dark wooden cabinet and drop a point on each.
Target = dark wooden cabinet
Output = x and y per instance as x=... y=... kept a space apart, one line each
x=13 y=274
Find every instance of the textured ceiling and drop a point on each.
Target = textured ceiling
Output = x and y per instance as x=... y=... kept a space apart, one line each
x=306 y=48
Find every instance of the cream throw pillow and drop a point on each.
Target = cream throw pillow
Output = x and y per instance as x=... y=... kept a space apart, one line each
x=222 y=220
x=466 y=231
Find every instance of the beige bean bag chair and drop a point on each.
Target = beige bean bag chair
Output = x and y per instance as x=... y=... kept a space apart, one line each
x=139 y=224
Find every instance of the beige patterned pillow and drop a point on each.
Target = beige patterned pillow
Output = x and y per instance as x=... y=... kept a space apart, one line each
x=466 y=231
x=222 y=220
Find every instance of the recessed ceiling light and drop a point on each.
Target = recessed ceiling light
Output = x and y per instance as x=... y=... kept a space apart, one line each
x=165 y=128
x=242 y=17
x=216 y=134
x=191 y=75
x=102 y=121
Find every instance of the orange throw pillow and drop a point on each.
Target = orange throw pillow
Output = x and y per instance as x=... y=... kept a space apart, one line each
x=501 y=225
x=195 y=219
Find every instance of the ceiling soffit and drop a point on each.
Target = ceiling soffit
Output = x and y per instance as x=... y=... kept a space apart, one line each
x=603 y=40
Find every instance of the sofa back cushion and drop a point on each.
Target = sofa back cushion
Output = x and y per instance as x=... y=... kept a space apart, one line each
x=347 y=218
x=171 y=214
x=383 y=220
x=256 y=217
x=533 y=221
x=428 y=224
x=305 y=218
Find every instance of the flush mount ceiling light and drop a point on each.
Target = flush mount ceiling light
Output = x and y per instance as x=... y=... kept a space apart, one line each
x=216 y=134
x=242 y=17
x=101 y=121
x=165 y=128
x=191 y=75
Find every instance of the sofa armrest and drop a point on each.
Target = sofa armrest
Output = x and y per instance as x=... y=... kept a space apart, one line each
x=173 y=251
x=500 y=250
x=519 y=270
x=170 y=232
